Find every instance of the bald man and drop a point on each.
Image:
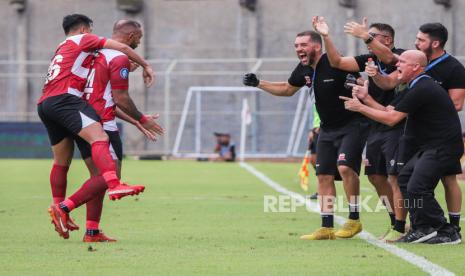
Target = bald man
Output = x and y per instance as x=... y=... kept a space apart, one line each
x=434 y=123
x=107 y=92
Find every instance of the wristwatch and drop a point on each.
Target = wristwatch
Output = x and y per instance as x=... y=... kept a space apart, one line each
x=369 y=40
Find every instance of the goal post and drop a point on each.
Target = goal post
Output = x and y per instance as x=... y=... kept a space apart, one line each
x=272 y=133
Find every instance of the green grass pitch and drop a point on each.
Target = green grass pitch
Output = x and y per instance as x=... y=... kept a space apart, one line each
x=194 y=218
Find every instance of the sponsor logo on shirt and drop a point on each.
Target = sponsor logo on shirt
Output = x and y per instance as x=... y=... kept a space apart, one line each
x=124 y=73
x=392 y=162
x=328 y=80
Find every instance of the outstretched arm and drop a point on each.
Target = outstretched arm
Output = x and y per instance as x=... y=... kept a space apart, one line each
x=335 y=59
x=361 y=92
x=385 y=82
x=123 y=100
x=383 y=53
x=283 y=89
x=123 y=116
x=148 y=74
x=388 y=117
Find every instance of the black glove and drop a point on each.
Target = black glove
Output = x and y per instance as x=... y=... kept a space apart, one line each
x=250 y=79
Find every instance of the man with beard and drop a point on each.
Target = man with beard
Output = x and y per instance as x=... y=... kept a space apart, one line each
x=382 y=141
x=65 y=115
x=342 y=134
x=436 y=126
x=107 y=92
x=447 y=71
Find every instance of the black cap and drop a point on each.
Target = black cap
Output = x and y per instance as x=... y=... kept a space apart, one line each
x=221 y=134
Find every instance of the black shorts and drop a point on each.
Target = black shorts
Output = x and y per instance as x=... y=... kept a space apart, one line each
x=407 y=149
x=116 y=146
x=381 y=152
x=341 y=146
x=423 y=171
x=313 y=147
x=65 y=115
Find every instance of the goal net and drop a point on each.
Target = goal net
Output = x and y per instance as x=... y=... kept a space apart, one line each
x=278 y=126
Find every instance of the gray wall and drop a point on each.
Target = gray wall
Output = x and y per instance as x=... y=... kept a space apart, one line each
x=219 y=28
x=181 y=29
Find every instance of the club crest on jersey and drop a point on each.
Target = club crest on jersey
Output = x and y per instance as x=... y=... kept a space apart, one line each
x=124 y=73
x=308 y=81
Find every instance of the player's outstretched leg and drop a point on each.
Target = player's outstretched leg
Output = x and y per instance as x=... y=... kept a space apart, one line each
x=100 y=148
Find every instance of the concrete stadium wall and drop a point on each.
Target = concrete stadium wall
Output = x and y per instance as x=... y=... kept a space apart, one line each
x=180 y=29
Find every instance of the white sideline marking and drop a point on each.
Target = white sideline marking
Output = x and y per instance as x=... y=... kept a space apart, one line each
x=420 y=262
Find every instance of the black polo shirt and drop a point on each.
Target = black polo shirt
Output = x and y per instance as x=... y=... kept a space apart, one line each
x=328 y=86
x=432 y=118
x=384 y=97
x=449 y=73
x=302 y=75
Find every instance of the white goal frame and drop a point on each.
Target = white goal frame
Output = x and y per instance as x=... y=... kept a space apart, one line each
x=298 y=125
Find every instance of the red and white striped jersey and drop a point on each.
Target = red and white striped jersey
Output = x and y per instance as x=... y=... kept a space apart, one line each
x=109 y=72
x=69 y=67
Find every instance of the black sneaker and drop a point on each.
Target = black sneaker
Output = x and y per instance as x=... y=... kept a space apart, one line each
x=447 y=234
x=314 y=196
x=444 y=238
x=419 y=235
x=458 y=229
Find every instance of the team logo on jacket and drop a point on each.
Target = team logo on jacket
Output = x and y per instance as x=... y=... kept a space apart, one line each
x=308 y=81
x=124 y=73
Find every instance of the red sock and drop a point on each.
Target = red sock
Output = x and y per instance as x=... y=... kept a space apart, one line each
x=92 y=225
x=91 y=188
x=94 y=212
x=58 y=181
x=105 y=163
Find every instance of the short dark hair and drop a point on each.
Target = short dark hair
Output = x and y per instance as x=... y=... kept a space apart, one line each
x=72 y=21
x=436 y=31
x=384 y=28
x=314 y=36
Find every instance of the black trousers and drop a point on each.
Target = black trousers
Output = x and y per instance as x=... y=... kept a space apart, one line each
x=417 y=181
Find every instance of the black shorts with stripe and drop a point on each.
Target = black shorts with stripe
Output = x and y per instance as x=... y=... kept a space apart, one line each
x=341 y=147
x=116 y=146
x=65 y=115
x=381 y=152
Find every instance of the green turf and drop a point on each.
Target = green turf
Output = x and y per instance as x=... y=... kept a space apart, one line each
x=194 y=218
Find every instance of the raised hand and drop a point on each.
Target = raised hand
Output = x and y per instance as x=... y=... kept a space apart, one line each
x=320 y=26
x=356 y=29
x=371 y=70
x=250 y=79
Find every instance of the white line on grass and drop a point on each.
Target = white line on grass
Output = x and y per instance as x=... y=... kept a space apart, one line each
x=410 y=257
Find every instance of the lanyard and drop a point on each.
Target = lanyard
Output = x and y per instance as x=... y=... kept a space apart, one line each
x=381 y=70
x=432 y=64
x=312 y=88
x=417 y=79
